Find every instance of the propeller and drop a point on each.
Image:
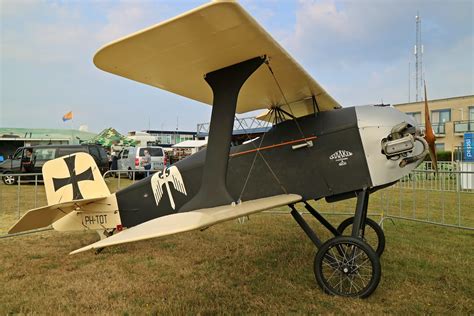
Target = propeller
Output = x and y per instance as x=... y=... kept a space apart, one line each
x=429 y=135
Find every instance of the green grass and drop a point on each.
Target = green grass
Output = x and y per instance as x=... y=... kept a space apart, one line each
x=261 y=266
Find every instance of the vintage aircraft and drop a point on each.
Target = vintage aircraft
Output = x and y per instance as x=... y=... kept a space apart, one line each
x=219 y=55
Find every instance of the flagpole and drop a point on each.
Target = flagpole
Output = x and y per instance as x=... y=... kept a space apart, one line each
x=72 y=129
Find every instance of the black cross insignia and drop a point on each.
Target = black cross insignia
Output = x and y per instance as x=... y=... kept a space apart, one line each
x=73 y=179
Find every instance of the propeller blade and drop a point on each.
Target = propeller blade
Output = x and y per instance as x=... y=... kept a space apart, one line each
x=429 y=135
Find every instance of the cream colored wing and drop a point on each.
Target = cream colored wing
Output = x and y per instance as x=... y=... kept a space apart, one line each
x=182 y=222
x=176 y=54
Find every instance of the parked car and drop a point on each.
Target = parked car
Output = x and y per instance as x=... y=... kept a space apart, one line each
x=131 y=158
x=31 y=159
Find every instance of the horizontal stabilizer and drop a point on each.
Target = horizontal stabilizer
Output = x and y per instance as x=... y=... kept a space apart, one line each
x=45 y=216
x=182 y=222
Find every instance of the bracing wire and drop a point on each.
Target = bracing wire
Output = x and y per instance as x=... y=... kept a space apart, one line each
x=255 y=159
x=267 y=62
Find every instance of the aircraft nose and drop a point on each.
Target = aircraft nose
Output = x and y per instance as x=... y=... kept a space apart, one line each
x=392 y=141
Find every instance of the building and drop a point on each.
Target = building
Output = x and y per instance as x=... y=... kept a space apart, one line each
x=142 y=138
x=450 y=117
x=12 y=138
x=170 y=138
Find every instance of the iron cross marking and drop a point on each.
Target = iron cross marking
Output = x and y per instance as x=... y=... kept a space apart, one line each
x=73 y=179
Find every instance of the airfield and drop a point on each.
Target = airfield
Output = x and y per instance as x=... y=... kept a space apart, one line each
x=409 y=167
x=259 y=266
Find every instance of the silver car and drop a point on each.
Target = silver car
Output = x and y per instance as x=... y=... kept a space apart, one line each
x=132 y=158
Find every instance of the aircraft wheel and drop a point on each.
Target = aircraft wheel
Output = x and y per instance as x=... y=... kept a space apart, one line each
x=347 y=266
x=8 y=179
x=373 y=233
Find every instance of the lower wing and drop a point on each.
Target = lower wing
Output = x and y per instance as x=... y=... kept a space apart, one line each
x=183 y=222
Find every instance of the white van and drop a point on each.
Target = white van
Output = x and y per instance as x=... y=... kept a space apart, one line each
x=131 y=158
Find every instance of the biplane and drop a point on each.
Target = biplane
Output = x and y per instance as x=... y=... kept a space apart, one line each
x=219 y=55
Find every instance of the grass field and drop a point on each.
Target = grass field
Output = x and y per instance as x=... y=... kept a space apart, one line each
x=261 y=266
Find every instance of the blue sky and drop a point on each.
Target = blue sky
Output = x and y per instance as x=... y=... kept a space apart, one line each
x=358 y=50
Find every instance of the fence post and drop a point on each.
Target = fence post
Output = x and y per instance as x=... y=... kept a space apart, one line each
x=18 y=197
x=118 y=182
x=458 y=192
x=36 y=188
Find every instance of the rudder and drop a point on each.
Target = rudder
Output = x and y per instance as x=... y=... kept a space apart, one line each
x=73 y=177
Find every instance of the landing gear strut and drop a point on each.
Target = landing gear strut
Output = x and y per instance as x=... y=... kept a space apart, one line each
x=347 y=265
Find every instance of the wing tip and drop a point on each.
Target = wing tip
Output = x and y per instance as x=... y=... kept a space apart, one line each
x=80 y=250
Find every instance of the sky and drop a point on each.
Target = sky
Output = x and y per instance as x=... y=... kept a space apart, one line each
x=359 y=51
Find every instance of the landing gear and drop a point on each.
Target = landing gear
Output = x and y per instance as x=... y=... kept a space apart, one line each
x=373 y=233
x=348 y=264
x=102 y=235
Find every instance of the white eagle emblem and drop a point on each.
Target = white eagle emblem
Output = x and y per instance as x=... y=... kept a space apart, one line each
x=166 y=176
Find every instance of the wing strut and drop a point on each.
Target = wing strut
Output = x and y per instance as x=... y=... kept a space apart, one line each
x=225 y=84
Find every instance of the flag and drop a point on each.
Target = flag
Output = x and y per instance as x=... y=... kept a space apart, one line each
x=67 y=116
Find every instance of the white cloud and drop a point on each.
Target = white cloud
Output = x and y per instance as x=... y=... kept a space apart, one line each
x=359 y=50
x=67 y=32
x=9 y=8
x=129 y=16
x=54 y=34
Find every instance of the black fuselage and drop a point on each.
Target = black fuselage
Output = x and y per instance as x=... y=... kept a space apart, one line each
x=276 y=167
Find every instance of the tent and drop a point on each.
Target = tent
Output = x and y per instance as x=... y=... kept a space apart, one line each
x=109 y=137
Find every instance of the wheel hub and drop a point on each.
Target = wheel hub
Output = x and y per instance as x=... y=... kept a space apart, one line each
x=348 y=269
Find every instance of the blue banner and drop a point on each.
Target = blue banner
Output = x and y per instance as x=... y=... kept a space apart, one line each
x=468 y=147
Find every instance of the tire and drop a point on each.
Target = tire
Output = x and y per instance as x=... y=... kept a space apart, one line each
x=375 y=237
x=130 y=175
x=9 y=180
x=348 y=267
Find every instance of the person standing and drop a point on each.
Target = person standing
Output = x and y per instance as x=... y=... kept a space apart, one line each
x=146 y=161
x=27 y=161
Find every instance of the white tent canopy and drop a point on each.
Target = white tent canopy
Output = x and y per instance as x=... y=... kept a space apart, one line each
x=191 y=144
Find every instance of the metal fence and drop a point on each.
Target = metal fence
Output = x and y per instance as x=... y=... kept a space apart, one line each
x=423 y=196
x=445 y=198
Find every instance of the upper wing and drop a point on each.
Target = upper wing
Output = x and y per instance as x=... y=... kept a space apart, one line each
x=182 y=222
x=175 y=55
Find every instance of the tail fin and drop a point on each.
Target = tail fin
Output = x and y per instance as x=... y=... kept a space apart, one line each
x=73 y=177
x=71 y=182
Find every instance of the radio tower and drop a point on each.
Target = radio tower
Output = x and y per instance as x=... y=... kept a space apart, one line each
x=418 y=58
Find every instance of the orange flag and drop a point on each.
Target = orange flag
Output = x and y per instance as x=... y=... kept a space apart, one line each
x=67 y=116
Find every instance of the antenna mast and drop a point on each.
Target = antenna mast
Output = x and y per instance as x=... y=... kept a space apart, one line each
x=418 y=58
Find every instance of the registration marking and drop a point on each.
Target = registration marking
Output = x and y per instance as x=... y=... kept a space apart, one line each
x=94 y=219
